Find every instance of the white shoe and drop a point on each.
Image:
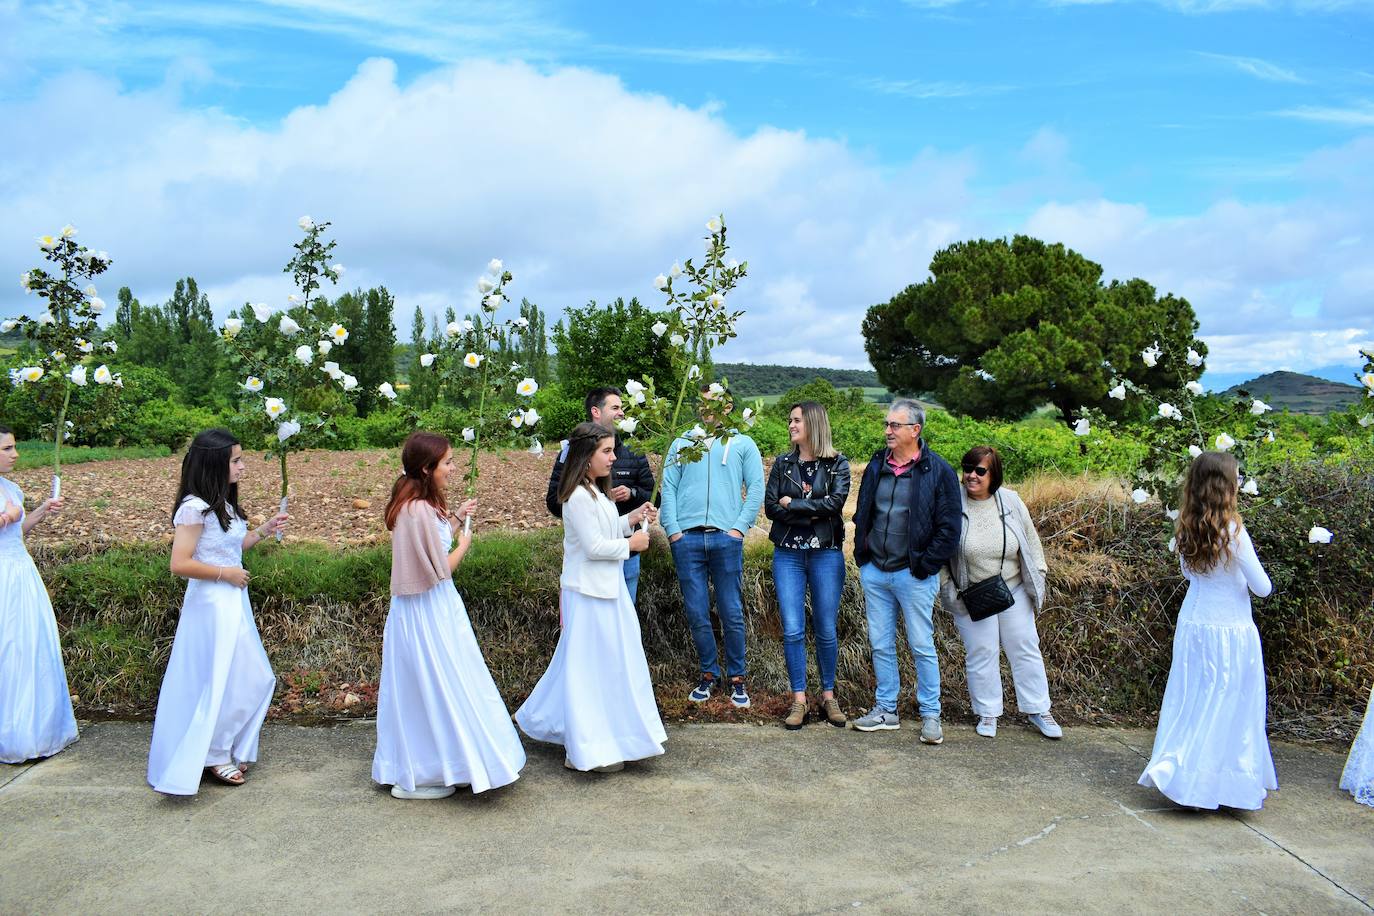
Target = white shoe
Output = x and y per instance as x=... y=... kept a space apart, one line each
x=1045 y=723
x=987 y=726
x=423 y=792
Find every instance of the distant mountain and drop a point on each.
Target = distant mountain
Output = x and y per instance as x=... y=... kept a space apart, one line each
x=757 y=381
x=1300 y=393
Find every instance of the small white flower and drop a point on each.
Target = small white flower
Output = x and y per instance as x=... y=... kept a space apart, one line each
x=1082 y=427
x=715 y=390
x=536 y=448
x=716 y=301
x=485 y=285
x=58 y=355
x=713 y=225
x=324 y=347
x=288 y=327
x=635 y=390
x=31 y=373
x=627 y=425
x=1119 y=392
x=658 y=328
x=262 y=311
x=338 y=333
x=84 y=345
x=332 y=370
x=517 y=418
x=1367 y=420
x=349 y=382
x=118 y=380
x=495 y=267
x=97 y=305
x=531 y=417
x=275 y=407
x=675 y=271
x=1259 y=408
x=694 y=372
x=293 y=299
x=522 y=322
x=1194 y=388
x=1269 y=436
x=696 y=432
x=1140 y=494
x=78 y=375
x=90 y=290
x=1168 y=411
x=1367 y=380
x=1194 y=451
x=677 y=340
x=1319 y=535
x=660 y=282
x=339 y=269
x=493 y=302
x=111 y=346
x=426 y=359
x=306 y=223
x=453 y=329
x=287 y=429
x=527 y=387
x=68 y=231
x=1151 y=355
x=253 y=384
x=386 y=391
x=26 y=281
x=472 y=360
x=1251 y=488
x=469 y=434
x=47 y=242
x=304 y=354
x=232 y=327
x=1172 y=515
x=1225 y=443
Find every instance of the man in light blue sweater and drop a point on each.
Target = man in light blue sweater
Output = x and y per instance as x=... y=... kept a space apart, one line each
x=707 y=507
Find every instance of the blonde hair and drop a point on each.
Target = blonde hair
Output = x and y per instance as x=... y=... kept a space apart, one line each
x=1207 y=511
x=817 y=428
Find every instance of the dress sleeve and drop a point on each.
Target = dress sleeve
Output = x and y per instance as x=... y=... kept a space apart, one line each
x=1249 y=561
x=191 y=511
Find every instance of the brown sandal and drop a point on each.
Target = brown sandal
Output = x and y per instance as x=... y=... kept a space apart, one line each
x=227 y=773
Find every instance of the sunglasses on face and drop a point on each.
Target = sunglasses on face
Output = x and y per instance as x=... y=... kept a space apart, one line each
x=975 y=469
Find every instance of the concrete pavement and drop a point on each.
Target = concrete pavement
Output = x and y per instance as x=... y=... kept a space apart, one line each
x=732 y=818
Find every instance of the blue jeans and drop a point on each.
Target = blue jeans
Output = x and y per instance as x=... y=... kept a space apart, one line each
x=884 y=594
x=719 y=557
x=631 y=573
x=823 y=570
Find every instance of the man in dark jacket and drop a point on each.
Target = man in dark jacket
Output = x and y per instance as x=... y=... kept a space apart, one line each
x=906 y=526
x=632 y=479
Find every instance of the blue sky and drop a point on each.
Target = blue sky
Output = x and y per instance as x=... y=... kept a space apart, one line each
x=1222 y=150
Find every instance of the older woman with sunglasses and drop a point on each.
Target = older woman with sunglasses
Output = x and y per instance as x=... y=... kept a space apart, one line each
x=999 y=539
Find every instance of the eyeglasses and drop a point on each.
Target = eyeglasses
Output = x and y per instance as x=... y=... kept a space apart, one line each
x=975 y=469
x=888 y=424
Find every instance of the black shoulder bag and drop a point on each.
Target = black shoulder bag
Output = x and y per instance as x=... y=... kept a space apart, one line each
x=990 y=596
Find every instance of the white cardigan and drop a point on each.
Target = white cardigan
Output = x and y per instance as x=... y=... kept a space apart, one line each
x=595 y=545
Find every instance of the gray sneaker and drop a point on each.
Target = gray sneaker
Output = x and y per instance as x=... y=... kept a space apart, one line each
x=877 y=719
x=931 y=732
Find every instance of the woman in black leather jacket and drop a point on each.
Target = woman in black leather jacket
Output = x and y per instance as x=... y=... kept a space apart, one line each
x=805 y=499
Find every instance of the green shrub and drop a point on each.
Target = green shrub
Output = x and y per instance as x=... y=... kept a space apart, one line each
x=167 y=424
x=559 y=412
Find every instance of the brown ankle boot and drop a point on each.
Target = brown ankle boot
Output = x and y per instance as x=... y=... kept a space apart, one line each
x=796 y=717
x=832 y=712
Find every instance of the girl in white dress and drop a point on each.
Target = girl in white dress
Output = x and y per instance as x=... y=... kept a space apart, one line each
x=441 y=722
x=1210 y=747
x=596 y=698
x=1358 y=777
x=35 y=706
x=218 y=683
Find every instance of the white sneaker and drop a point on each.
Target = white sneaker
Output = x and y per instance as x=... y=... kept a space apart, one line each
x=423 y=792
x=987 y=726
x=1045 y=723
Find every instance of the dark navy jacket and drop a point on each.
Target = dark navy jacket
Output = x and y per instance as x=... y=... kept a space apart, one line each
x=936 y=512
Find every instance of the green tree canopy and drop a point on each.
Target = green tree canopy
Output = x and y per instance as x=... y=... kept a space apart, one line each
x=1003 y=327
x=601 y=346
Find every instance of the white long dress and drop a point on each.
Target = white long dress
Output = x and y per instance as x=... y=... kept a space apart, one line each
x=1358 y=777
x=36 y=717
x=219 y=683
x=1211 y=748
x=440 y=719
x=596 y=698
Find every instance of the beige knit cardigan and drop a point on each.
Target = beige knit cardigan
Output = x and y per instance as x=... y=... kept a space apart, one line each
x=419 y=556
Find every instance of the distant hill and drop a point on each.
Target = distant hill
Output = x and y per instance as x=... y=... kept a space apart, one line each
x=751 y=381
x=1300 y=393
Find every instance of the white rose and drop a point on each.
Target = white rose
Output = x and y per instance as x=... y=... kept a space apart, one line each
x=1251 y=488
x=349 y=382
x=85 y=346
x=1139 y=494
x=262 y=311
x=1194 y=388
x=68 y=231
x=253 y=384
x=522 y=322
x=78 y=375
x=531 y=417
x=453 y=329
x=332 y=370
x=485 y=285
x=306 y=223
x=339 y=269
x=287 y=429
x=111 y=346
x=1119 y=392
x=675 y=271
x=25 y=281
x=1259 y=408
x=1168 y=411
x=696 y=432
x=493 y=302
x=1194 y=451
x=338 y=333
x=324 y=347
x=31 y=373
x=469 y=434
x=275 y=407
x=1319 y=535
x=715 y=389
x=288 y=326
x=517 y=418
x=527 y=387
x=677 y=340
x=466 y=325
x=1150 y=355
x=627 y=424
x=495 y=267
x=386 y=391
x=90 y=290
x=716 y=301
x=660 y=282
x=426 y=359
x=1367 y=380
x=1194 y=358
x=713 y=225
x=1367 y=420
x=232 y=326
x=694 y=372
x=1225 y=443
x=472 y=360
x=1082 y=427
x=46 y=242
x=304 y=354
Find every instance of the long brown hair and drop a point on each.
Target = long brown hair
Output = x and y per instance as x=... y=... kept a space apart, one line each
x=817 y=423
x=420 y=455
x=1207 y=510
x=582 y=445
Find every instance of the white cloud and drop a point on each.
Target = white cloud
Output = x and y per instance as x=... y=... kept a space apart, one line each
x=1256 y=67
x=1360 y=114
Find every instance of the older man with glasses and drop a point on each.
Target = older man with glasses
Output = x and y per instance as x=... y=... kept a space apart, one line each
x=906 y=528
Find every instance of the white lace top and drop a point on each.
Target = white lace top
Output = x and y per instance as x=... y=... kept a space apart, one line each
x=216 y=546
x=12 y=536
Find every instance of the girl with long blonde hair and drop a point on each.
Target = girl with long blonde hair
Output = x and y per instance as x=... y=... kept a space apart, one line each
x=1210 y=747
